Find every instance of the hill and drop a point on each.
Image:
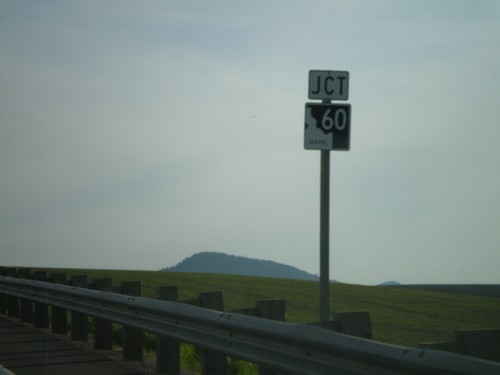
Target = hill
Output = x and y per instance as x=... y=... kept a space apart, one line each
x=220 y=263
x=389 y=283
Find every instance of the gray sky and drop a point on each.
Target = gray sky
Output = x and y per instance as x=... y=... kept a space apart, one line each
x=134 y=134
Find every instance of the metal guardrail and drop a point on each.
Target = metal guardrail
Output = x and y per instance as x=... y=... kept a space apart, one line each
x=4 y=371
x=291 y=347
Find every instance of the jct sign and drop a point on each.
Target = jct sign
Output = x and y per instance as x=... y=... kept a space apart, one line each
x=328 y=85
x=327 y=126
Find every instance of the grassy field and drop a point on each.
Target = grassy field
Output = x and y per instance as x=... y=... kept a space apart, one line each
x=399 y=316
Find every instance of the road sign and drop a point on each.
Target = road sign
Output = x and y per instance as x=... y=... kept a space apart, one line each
x=328 y=85
x=327 y=126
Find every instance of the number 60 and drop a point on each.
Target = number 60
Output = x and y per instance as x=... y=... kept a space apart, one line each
x=339 y=119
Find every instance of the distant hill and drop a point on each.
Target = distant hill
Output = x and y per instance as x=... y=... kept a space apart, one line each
x=389 y=283
x=211 y=262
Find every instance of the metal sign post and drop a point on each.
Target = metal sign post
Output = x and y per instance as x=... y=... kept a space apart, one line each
x=327 y=127
x=324 y=240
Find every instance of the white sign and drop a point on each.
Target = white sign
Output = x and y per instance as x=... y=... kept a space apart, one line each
x=327 y=127
x=328 y=85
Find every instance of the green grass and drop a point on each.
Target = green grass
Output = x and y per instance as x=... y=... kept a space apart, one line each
x=399 y=316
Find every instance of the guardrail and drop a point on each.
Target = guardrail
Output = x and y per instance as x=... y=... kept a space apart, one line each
x=290 y=347
x=4 y=371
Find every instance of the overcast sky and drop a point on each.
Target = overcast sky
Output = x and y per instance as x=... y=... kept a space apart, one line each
x=136 y=133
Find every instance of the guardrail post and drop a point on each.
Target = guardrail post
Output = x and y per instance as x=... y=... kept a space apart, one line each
x=24 y=273
x=354 y=323
x=252 y=311
x=10 y=271
x=118 y=289
x=446 y=346
x=26 y=304
x=480 y=343
x=3 y=297
x=41 y=316
x=288 y=347
x=212 y=363
x=167 y=350
x=103 y=335
x=273 y=309
x=3 y=304
x=13 y=310
x=133 y=338
x=79 y=322
x=59 y=315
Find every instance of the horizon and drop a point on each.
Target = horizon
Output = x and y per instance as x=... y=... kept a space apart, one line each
x=166 y=269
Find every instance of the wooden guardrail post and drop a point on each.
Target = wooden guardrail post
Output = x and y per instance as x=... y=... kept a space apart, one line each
x=10 y=271
x=212 y=363
x=445 y=346
x=354 y=323
x=480 y=343
x=59 y=315
x=3 y=304
x=167 y=350
x=273 y=309
x=26 y=304
x=24 y=273
x=13 y=309
x=79 y=322
x=133 y=338
x=3 y=297
x=103 y=334
x=41 y=310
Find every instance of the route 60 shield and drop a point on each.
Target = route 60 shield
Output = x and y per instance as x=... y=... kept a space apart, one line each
x=327 y=126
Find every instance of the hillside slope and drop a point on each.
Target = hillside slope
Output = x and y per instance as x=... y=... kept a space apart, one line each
x=220 y=263
x=398 y=315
